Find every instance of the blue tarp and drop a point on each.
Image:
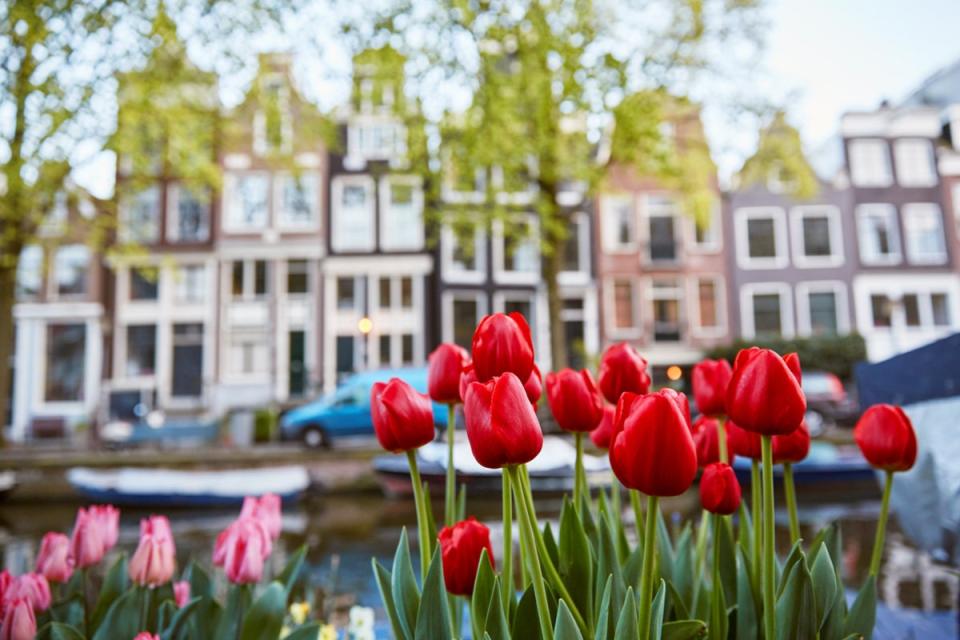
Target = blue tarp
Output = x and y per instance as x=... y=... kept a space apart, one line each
x=927 y=373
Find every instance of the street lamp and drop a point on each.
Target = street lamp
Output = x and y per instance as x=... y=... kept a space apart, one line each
x=364 y=326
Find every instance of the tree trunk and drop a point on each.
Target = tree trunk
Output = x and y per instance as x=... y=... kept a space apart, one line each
x=8 y=281
x=550 y=269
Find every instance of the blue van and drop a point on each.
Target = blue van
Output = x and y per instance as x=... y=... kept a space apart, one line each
x=346 y=410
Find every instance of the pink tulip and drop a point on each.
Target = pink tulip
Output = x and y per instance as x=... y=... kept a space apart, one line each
x=243 y=548
x=54 y=560
x=146 y=635
x=266 y=508
x=19 y=621
x=87 y=546
x=108 y=517
x=153 y=562
x=5 y=581
x=181 y=592
x=30 y=586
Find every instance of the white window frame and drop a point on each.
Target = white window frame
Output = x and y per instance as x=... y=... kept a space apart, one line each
x=742 y=216
x=676 y=294
x=31 y=265
x=608 y=229
x=719 y=287
x=446 y=301
x=580 y=225
x=280 y=181
x=651 y=211
x=838 y=289
x=800 y=258
x=749 y=290
x=173 y=217
x=451 y=273
x=387 y=243
x=230 y=183
x=338 y=184
x=896 y=254
x=715 y=243
x=178 y=272
x=901 y=159
x=955 y=194
x=908 y=212
x=125 y=234
x=610 y=308
x=500 y=274
x=856 y=175
x=54 y=285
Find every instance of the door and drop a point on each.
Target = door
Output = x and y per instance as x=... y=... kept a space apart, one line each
x=345 y=356
x=187 y=360
x=297 y=377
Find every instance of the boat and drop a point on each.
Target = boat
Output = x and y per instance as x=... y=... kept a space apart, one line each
x=825 y=464
x=178 y=488
x=551 y=472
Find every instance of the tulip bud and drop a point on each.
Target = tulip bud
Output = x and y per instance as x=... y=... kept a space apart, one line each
x=267 y=509
x=886 y=438
x=181 y=593
x=402 y=417
x=710 y=379
x=622 y=370
x=107 y=517
x=534 y=386
x=33 y=587
x=601 y=435
x=792 y=447
x=461 y=546
x=719 y=489
x=443 y=374
x=502 y=343
x=707 y=441
x=152 y=564
x=652 y=449
x=468 y=375
x=574 y=400
x=764 y=394
x=19 y=621
x=87 y=544
x=53 y=560
x=743 y=443
x=501 y=424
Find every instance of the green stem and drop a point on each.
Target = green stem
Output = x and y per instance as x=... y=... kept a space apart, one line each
x=700 y=555
x=578 y=473
x=756 y=500
x=877 y=555
x=423 y=522
x=717 y=523
x=527 y=529
x=507 y=570
x=84 y=580
x=637 y=513
x=790 y=493
x=769 y=550
x=722 y=438
x=242 y=598
x=450 y=503
x=646 y=575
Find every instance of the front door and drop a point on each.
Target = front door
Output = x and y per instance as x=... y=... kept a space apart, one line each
x=297 y=365
x=187 y=360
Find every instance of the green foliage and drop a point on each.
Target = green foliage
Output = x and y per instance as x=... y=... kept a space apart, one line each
x=780 y=157
x=835 y=354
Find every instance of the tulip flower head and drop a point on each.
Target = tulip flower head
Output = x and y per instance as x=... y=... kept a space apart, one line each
x=764 y=394
x=502 y=426
x=461 y=546
x=19 y=621
x=468 y=375
x=108 y=518
x=792 y=447
x=534 y=386
x=181 y=593
x=87 y=543
x=707 y=440
x=502 y=343
x=33 y=587
x=443 y=373
x=601 y=435
x=622 y=370
x=886 y=438
x=719 y=489
x=146 y=635
x=53 y=560
x=652 y=449
x=402 y=417
x=742 y=442
x=710 y=379
x=5 y=581
x=574 y=400
x=153 y=563
x=241 y=550
x=268 y=509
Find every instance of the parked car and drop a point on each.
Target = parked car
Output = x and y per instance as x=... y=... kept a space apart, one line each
x=346 y=410
x=828 y=403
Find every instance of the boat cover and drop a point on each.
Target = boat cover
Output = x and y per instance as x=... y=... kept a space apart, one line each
x=557 y=453
x=926 y=373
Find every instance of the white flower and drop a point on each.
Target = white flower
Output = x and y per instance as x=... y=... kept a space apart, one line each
x=361 y=623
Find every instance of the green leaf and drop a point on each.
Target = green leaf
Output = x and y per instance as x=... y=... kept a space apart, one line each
x=728 y=561
x=604 y=628
x=199 y=579
x=682 y=573
x=238 y=600
x=832 y=629
x=433 y=617
x=265 y=617
x=288 y=577
x=551 y=544
x=165 y=613
x=115 y=583
x=676 y=600
x=576 y=560
x=309 y=631
x=633 y=566
x=482 y=592
x=824 y=584
x=406 y=593
x=627 y=623
x=796 y=611
x=526 y=624
x=565 y=627
x=496 y=626
x=747 y=627
x=386 y=596
x=608 y=565
x=122 y=619
x=664 y=547
x=59 y=631
x=685 y=630
x=718 y=612
x=656 y=611
x=745 y=529
x=863 y=611
x=795 y=556
x=179 y=621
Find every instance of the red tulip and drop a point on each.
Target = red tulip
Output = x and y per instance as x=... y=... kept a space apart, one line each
x=152 y=564
x=146 y=635
x=502 y=343
x=19 y=621
x=501 y=424
x=719 y=489
x=241 y=549
x=460 y=549
x=792 y=447
x=534 y=386
x=601 y=435
x=402 y=418
x=744 y=443
x=707 y=441
x=5 y=581
x=181 y=593
x=652 y=449
x=886 y=437
x=710 y=379
x=53 y=560
x=622 y=369
x=574 y=400
x=32 y=587
x=443 y=373
x=267 y=509
x=764 y=394
x=468 y=375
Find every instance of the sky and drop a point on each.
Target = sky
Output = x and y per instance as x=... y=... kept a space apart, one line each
x=822 y=58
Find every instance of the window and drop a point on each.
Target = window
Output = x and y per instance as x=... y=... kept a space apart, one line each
x=299 y=201
x=378 y=140
x=187 y=378
x=619 y=224
x=346 y=352
x=823 y=312
x=188 y=213
x=66 y=354
x=72 y=263
x=761 y=238
x=385 y=290
x=707 y=233
x=465 y=314
x=141 y=220
x=915 y=163
x=406 y=292
x=141 y=349
x=523 y=306
x=881 y=309
x=247 y=198
x=923 y=226
x=401 y=206
x=248 y=353
x=624 y=307
x=955 y=191
x=940 y=307
x=298 y=277
x=384 y=343
x=708 y=303
x=665 y=294
x=911 y=309
x=406 y=349
x=661 y=217
x=30 y=271
x=879 y=237
x=237 y=278
x=353 y=212
x=767 y=315
x=817 y=236
x=260 y=278
x=191 y=283
x=516 y=250
x=144 y=282
x=464 y=254
x=870 y=163
x=347 y=293
x=576 y=250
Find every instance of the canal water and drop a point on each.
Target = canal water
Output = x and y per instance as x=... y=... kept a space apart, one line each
x=342 y=533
